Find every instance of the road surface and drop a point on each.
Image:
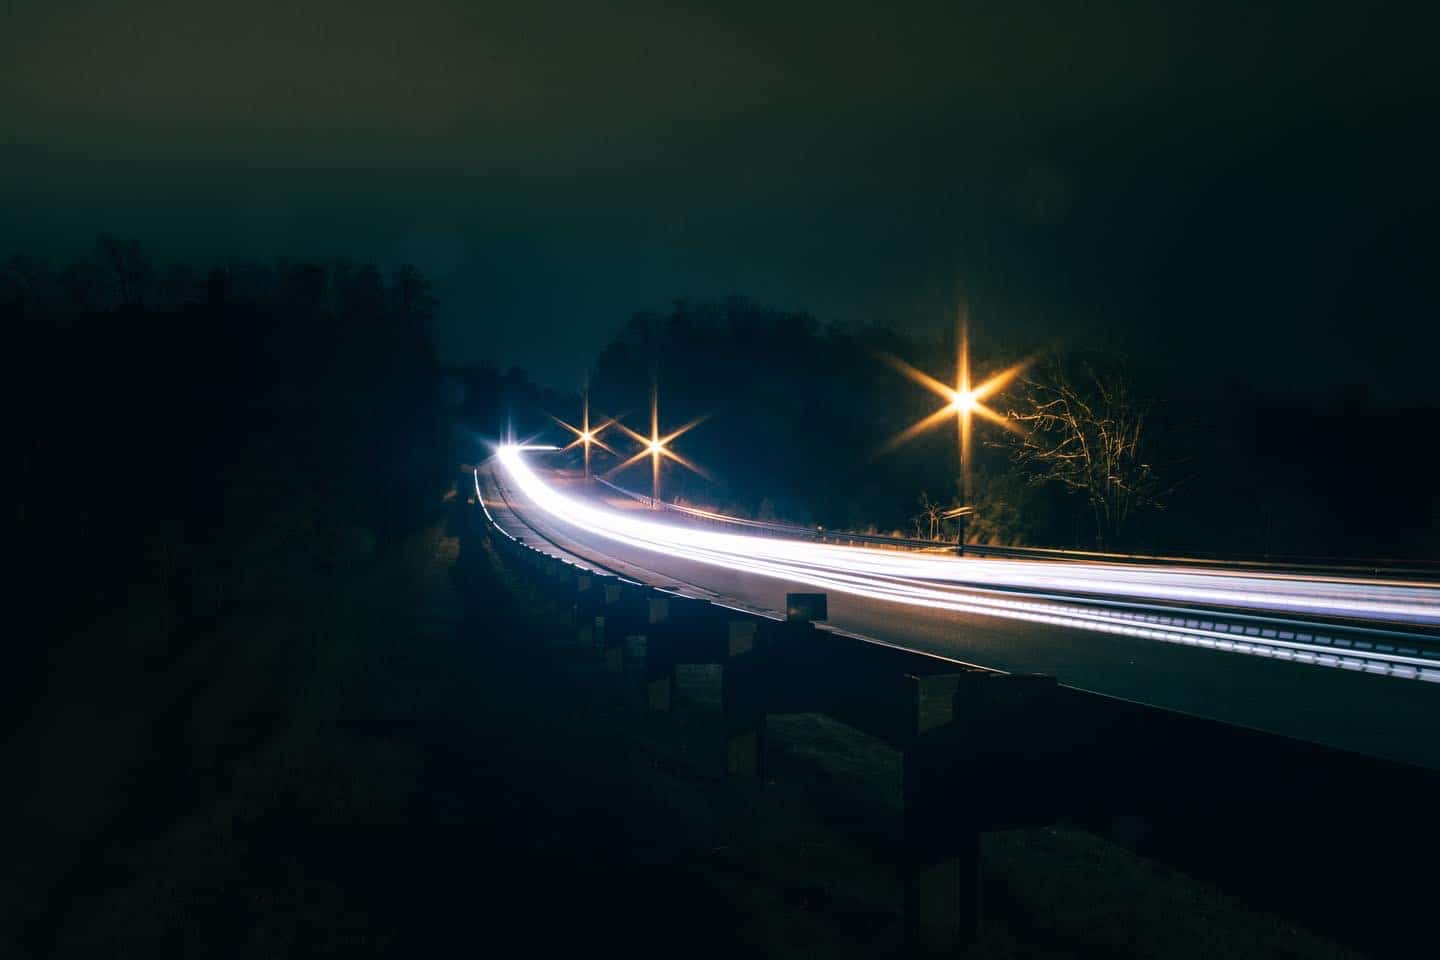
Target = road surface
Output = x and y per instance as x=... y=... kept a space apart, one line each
x=1349 y=663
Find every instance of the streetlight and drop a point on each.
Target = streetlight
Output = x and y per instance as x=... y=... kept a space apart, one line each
x=657 y=447
x=964 y=402
x=584 y=435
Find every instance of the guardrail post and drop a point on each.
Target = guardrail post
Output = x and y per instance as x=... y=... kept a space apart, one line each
x=591 y=630
x=605 y=615
x=940 y=863
x=627 y=629
x=632 y=653
x=557 y=582
x=683 y=631
x=941 y=858
x=744 y=730
x=749 y=678
x=680 y=631
x=979 y=762
x=742 y=707
x=576 y=594
x=560 y=573
x=806 y=607
x=755 y=680
x=740 y=635
x=586 y=612
x=659 y=669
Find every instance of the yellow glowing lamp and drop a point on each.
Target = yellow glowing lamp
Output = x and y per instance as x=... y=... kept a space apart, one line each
x=964 y=401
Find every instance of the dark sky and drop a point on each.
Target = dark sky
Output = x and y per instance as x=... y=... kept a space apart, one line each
x=1223 y=187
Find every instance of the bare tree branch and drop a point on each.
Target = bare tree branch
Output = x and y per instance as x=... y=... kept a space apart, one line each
x=1090 y=437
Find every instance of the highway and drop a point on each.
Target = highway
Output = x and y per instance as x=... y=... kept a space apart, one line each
x=1352 y=663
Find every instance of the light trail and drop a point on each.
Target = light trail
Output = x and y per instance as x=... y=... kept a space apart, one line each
x=1068 y=595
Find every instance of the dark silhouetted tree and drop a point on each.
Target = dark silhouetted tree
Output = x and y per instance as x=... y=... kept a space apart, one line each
x=1088 y=432
x=129 y=272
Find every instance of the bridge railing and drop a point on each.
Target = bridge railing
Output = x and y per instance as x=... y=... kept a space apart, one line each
x=1346 y=645
x=1333 y=838
x=1270 y=563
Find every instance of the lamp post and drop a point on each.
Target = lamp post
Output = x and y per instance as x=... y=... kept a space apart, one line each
x=964 y=402
x=657 y=447
x=585 y=436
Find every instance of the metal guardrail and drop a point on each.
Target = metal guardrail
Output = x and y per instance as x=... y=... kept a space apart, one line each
x=1346 y=646
x=985 y=751
x=1410 y=569
x=783 y=529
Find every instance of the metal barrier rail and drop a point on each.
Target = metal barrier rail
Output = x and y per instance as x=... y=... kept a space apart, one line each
x=983 y=751
x=1325 y=643
x=1412 y=569
x=782 y=529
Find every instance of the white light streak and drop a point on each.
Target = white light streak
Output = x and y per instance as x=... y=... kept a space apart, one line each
x=1046 y=591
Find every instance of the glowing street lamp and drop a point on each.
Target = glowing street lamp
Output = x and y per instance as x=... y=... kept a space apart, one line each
x=657 y=447
x=964 y=402
x=584 y=434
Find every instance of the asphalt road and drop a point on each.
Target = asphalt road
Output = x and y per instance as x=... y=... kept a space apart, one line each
x=1349 y=706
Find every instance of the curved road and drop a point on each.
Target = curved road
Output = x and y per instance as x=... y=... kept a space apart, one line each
x=1349 y=663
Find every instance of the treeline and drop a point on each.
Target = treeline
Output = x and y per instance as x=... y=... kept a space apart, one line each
x=797 y=413
x=801 y=417
x=162 y=417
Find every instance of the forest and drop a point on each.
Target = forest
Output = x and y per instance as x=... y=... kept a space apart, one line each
x=217 y=477
x=801 y=418
x=162 y=415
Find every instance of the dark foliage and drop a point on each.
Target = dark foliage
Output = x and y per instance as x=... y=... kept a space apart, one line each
x=800 y=416
x=207 y=474
x=161 y=418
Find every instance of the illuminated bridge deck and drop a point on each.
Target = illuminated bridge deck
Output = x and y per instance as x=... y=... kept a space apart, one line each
x=1347 y=663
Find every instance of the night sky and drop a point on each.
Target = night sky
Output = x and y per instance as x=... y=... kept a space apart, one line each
x=1222 y=188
